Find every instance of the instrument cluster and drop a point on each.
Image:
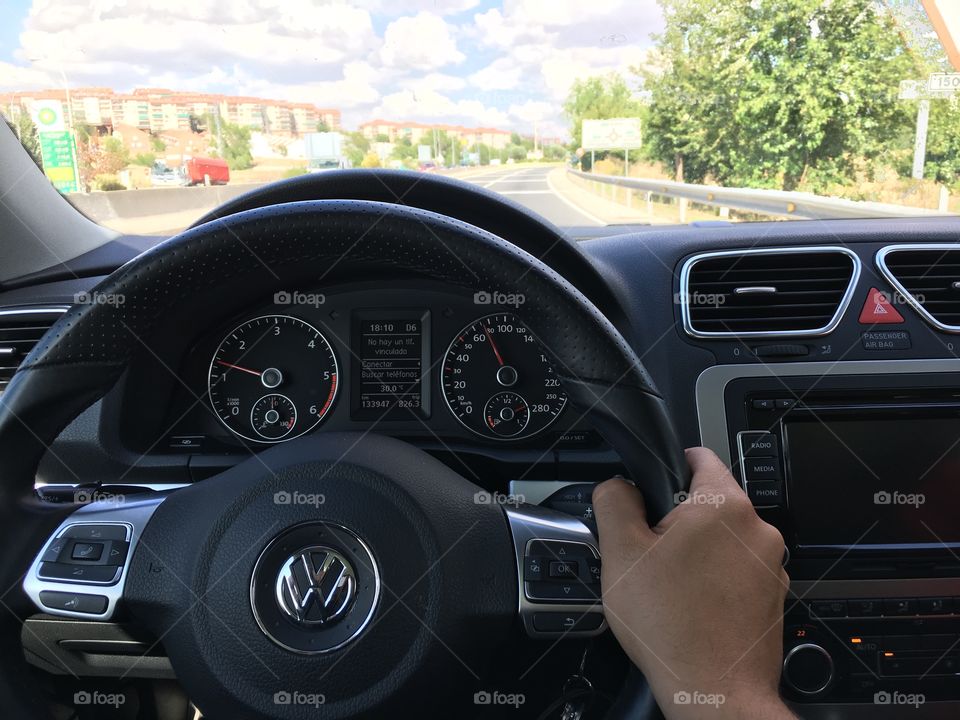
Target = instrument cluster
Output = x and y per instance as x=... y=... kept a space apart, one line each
x=282 y=372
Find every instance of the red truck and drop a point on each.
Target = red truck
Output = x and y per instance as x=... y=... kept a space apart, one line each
x=206 y=171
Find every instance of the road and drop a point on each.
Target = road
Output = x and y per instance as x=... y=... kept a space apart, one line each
x=531 y=188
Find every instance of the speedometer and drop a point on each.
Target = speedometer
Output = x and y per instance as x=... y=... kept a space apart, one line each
x=273 y=378
x=497 y=380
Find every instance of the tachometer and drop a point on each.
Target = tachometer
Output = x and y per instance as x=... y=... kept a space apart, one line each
x=497 y=379
x=273 y=378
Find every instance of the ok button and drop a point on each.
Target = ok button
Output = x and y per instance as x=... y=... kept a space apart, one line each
x=563 y=569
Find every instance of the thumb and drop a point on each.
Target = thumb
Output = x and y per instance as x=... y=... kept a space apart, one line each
x=621 y=517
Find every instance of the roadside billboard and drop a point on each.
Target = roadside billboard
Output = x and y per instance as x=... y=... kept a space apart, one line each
x=612 y=134
x=57 y=149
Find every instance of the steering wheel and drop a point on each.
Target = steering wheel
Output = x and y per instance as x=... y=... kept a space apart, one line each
x=370 y=599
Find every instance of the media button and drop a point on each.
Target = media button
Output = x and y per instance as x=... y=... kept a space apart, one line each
x=763 y=404
x=761 y=468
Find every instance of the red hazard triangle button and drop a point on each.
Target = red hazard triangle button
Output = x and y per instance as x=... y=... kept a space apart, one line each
x=878 y=310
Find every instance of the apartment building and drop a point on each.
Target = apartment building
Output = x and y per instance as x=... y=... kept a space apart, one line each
x=419 y=133
x=159 y=109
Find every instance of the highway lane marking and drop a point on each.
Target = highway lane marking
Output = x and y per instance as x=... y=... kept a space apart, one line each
x=591 y=216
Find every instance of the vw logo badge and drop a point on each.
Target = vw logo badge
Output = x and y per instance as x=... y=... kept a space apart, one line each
x=316 y=586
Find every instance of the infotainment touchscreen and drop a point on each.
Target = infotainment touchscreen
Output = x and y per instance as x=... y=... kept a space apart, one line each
x=862 y=483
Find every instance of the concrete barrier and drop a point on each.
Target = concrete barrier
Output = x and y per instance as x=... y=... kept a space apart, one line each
x=125 y=204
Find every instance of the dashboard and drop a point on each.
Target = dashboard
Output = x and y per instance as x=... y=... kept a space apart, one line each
x=858 y=368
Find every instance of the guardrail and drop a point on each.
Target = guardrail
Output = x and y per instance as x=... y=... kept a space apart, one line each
x=780 y=203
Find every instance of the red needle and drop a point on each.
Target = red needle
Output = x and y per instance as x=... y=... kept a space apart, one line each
x=494 y=346
x=237 y=367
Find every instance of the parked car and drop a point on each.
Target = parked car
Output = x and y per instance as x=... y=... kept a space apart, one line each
x=161 y=175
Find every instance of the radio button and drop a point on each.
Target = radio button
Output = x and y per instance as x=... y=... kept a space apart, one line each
x=865 y=608
x=900 y=606
x=758 y=444
x=761 y=469
x=763 y=404
x=765 y=493
x=935 y=606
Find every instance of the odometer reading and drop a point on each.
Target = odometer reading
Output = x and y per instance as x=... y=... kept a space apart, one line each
x=273 y=378
x=497 y=379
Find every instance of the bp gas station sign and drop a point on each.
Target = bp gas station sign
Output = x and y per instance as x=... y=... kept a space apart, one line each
x=57 y=148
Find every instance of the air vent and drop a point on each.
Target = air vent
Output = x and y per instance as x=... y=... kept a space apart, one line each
x=767 y=292
x=928 y=277
x=20 y=329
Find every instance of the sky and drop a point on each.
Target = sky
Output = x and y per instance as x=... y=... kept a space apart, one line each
x=475 y=62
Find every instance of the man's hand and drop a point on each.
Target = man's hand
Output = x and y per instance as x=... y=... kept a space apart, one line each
x=697 y=601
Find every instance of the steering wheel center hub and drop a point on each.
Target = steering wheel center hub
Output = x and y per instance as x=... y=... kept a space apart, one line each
x=314 y=588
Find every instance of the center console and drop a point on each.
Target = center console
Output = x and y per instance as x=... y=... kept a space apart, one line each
x=858 y=465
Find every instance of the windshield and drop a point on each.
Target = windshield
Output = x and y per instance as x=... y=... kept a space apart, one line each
x=590 y=113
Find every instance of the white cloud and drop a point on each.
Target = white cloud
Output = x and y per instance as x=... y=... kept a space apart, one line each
x=443 y=7
x=431 y=106
x=501 y=74
x=420 y=42
x=14 y=77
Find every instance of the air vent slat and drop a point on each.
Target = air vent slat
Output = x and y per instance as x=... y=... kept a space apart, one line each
x=926 y=273
x=20 y=331
x=811 y=288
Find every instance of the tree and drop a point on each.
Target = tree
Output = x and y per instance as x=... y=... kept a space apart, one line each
x=101 y=158
x=370 y=160
x=157 y=144
x=598 y=98
x=355 y=148
x=26 y=132
x=235 y=141
x=145 y=159
x=322 y=126
x=763 y=93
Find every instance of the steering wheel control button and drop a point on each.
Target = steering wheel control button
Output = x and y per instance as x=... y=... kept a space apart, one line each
x=96 y=532
x=54 y=550
x=564 y=569
x=86 y=551
x=79 y=573
x=566 y=622
x=74 y=602
x=315 y=587
x=532 y=569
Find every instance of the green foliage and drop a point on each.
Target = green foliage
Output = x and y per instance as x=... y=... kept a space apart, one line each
x=355 y=147
x=322 y=127
x=234 y=145
x=763 y=93
x=157 y=144
x=26 y=132
x=382 y=137
x=294 y=172
x=598 y=98
x=108 y=182
x=145 y=159
x=555 y=153
x=370 y=160
x=513 y=152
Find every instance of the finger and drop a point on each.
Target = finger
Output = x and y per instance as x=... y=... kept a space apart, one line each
x=621 y=516
x=709 y=472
